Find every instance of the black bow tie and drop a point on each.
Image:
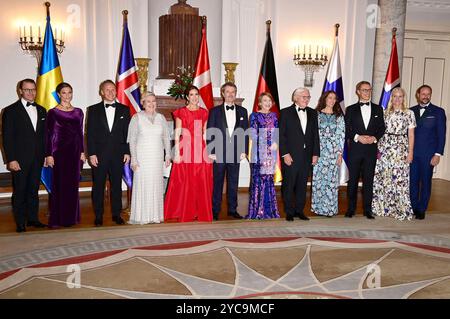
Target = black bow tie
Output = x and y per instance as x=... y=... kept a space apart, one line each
x=300 y=109
x=230 y=107
x=112 y=105
x=423 y=107
x=31 y=103
x=362 y=103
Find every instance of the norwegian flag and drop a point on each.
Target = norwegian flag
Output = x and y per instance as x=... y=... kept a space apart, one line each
x=127 y=81
x=393 y=75
x=202 y=76
x=127 y=84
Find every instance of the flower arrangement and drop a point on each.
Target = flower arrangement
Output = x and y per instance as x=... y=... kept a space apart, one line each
x=183 y=80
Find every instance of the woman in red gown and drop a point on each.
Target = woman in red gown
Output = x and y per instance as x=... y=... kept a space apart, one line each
x=189 y=194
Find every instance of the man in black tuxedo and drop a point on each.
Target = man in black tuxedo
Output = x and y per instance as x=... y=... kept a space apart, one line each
x=300 y=149
x=23 y=126
x=364 y=122
x=227 y=146
x=107 y=131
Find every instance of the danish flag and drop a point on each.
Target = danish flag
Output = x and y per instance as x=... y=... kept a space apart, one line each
x=202 y=75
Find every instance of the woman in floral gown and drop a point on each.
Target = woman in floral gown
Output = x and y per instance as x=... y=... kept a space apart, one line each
x=264 y=137
x=391 y=181
x=325 y=184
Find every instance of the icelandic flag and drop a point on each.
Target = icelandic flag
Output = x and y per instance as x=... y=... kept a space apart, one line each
x=127 y=83
x=392 y=77
x=333 y=82
x=202 y=76
x=49 y=77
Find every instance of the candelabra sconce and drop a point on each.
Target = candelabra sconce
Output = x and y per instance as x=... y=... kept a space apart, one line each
x=31 y=40
x=142 y=65
x=310 y=64
x=230 y=68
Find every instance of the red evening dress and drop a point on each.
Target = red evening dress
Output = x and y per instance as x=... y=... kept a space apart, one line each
x=189 y=194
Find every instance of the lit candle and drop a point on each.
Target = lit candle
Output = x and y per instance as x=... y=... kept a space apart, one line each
x=310 y=49
x=24 y=32
x=31 y=31
x=20 y=32
x=39 y=29
x=304 y=50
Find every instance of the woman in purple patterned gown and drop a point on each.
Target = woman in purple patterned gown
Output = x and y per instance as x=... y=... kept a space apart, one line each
x=264 y=150
x=65 y=154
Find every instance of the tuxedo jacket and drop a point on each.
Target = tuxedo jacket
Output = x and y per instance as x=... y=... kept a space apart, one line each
x=102 y=142
x=430 y=131
x=232 y=146
x=20 y=141
x=354 y=124
x=292 y=139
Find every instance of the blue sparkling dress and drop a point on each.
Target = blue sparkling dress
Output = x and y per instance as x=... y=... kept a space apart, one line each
x=263 y=158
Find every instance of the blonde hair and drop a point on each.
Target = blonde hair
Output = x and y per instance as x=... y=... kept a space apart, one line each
x=390 y=107
x=146 y=94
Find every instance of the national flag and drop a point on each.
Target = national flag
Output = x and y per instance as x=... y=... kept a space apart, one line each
x=127 y=82
x=267 y=82
x=333 y=82
x=49 y=77
x=202 y=75
x=393 y=75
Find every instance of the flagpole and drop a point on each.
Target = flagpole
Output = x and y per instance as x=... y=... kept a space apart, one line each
x=337 y=26
x=394 y=33
x=268 y=24
x=125 y=16
x=128 y=209
x=47 y=4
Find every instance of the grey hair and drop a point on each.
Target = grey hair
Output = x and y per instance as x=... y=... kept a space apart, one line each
x=145 y=95
x=298 y=90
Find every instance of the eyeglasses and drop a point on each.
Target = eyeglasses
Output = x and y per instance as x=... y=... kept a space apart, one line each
x=29 y=90
x=305 y=97
x=366 y=90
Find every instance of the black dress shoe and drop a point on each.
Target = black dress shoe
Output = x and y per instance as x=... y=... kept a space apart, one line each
x=420 y=215
x=349 y=214
x=235 y=215
x=21 y=229
x=37 y=224
x=290 y=218
x=118 y=220
x=303 y=217
x=215 y=218
x=369 y=215
x=98 y=222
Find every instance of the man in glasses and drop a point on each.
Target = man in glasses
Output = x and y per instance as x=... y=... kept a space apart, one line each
x=364 y=122
x=23 y=125
x=299 y=148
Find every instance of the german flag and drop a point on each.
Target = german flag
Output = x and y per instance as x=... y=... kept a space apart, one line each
x=267 y=82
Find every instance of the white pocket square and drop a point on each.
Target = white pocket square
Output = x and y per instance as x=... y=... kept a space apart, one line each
x=43 y=119
x=430 y=117
x=376 y=116
x=242 y=118
x=121 y=117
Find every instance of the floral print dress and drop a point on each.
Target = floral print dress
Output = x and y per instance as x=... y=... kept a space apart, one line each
x=391 y=182
x=325 y=185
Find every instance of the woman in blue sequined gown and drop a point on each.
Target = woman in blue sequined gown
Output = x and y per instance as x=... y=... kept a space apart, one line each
x=325 y=183
x=263 y=160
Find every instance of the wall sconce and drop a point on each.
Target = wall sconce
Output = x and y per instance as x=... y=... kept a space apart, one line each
x=31 y=38
x=305 y=60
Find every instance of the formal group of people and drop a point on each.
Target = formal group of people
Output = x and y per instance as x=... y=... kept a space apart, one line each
x=394 y=151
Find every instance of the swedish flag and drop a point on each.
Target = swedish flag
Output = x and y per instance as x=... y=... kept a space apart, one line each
x=49 y=77
x=49 y=71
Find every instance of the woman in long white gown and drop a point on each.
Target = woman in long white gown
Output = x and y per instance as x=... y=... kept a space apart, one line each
x=148 y=136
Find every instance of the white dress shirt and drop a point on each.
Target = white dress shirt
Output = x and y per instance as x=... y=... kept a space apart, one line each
x=303 y=116
x=231 y=118
x=32 y=113
x=110 y=114
x=423 y=110
x=366 y=112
